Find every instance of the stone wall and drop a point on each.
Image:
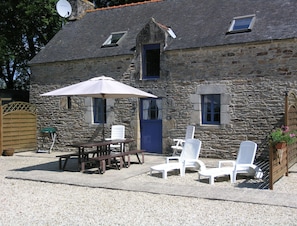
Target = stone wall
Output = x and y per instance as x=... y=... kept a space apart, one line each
x=251 y=78
x=73 y=125
x=254 y=78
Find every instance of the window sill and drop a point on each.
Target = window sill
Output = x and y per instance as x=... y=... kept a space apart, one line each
x=211 y=126
x=151 y=78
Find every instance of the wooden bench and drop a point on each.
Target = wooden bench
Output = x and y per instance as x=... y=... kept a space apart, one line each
x=65 y=157
x=135 y=152
x=70 y=155
x=106 y=160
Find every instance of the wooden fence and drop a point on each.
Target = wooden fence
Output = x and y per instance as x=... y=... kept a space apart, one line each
x=18 y=126
x=291 y=121
x=281 y=160
x=278 y=164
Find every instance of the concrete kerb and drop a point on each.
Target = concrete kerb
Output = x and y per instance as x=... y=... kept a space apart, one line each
x=44 y=168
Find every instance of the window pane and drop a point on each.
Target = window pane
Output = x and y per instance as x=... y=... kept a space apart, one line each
x=217 y=117
x=208 y=117
x=211 y=109
x=69 y=102
x=99 y=110
x=116 y=37
x=151 y=61
x=113 y=39
x=241 y=24
x=152 y=109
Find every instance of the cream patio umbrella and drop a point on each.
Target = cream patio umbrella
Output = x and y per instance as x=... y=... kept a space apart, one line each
x=100 y=87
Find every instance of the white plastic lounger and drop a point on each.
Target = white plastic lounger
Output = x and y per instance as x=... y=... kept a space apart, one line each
x=165 y=168
x=211 y=173
x=179 y=143
x=187 y=159
x=242 y=165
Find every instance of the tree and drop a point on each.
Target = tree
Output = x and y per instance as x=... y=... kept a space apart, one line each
x=25 y=27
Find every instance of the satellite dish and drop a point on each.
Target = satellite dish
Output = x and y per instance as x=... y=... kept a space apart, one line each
x=64 y=8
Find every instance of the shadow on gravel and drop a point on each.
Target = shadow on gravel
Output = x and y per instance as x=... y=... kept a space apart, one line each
x=250 y=183
x=51 y=166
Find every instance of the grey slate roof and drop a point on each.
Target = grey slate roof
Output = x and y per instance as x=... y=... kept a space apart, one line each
x=196 y=23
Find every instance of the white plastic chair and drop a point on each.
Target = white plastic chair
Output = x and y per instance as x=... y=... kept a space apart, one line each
x=244 y=163
x=187 y=159
x=178 y=143
x=117 y=133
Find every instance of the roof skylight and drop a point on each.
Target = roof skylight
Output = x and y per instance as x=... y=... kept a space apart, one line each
x=241 y=24
x=113 y=39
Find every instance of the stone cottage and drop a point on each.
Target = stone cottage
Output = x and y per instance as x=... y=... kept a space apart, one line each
x=221 y=65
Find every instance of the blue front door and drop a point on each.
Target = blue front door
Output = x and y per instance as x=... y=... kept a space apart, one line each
x=151 y=125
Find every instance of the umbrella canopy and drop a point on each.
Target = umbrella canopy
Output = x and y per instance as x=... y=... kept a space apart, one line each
x=100 y=87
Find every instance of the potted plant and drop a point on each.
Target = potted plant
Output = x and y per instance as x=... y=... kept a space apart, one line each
x=282 y=136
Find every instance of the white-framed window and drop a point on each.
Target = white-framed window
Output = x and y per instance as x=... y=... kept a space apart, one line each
x=66 y=103
x=113 y=39
x=211 y=105
x=98 y=110
x=242 y=24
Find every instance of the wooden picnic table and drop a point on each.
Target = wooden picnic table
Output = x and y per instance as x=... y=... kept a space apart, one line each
x=102 y=148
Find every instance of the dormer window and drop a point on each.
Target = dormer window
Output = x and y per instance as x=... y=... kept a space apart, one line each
x=113 y=39
x=151 y=61
x=241 y=24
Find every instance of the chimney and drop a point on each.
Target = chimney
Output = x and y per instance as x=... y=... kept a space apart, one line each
x=79 y=8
